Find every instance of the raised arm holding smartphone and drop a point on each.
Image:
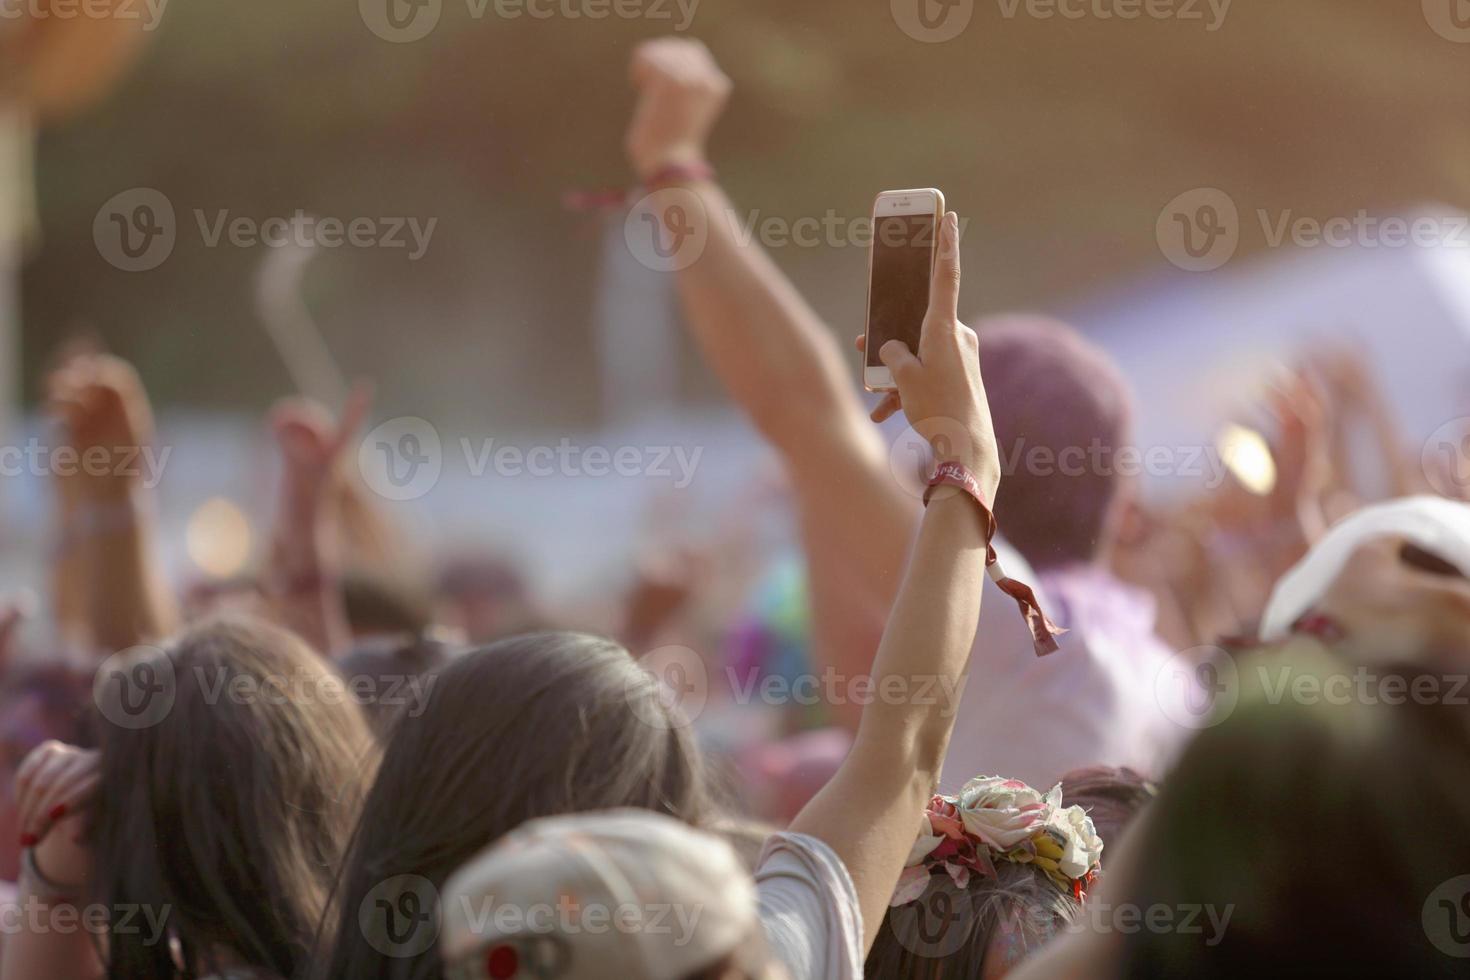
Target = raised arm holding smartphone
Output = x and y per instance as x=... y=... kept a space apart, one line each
x=866 y=813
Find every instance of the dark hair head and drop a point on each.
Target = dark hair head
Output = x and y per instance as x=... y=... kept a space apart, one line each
x=1061 y=411
x=227 y=813
x=950 y=931
x=388 y=673
x=378 y=603
x=531 y=726
x=1330 y=829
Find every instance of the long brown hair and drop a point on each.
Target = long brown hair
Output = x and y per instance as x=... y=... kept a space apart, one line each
x=226 y=813
x=531 y=726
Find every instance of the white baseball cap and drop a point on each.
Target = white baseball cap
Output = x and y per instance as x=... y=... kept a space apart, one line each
x=1438 y=525
x=629 y=894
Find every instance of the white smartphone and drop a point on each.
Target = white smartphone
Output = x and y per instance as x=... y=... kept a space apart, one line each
x=900 y=266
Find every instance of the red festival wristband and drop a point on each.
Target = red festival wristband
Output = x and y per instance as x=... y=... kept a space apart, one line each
x=666 y=176
x=1043 y=631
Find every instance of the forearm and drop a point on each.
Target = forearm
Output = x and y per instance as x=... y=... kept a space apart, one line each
x=926 y=644
x=68 y=576
x=48 y=936
x=128 y=599
x=303 y=575
x=869 y=812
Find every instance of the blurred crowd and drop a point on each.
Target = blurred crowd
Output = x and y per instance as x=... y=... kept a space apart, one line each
x=984 y=719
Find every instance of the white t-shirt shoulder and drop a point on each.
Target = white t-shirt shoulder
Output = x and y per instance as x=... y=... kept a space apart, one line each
x=809 y=909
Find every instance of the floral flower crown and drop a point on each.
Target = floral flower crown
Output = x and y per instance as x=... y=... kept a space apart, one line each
x=993 y=819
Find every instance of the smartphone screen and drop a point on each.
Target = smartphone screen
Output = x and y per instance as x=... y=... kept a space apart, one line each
x=903 y=251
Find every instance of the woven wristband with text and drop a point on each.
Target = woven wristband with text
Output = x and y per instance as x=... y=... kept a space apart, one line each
x=1043 y=631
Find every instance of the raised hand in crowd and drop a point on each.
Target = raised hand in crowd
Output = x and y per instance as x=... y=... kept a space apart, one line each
x=303 y=576
x=867 y=812
x=782 y=365
x=54 y=786
x=106 y=465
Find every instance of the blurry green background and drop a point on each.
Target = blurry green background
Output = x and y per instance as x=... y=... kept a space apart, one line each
x=1059 y=140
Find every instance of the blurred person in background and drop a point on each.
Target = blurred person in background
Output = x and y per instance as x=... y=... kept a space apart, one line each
x=1309 y=836
x=1387 y=583
x=219 y=821
x=781 y=364
x=527 y=727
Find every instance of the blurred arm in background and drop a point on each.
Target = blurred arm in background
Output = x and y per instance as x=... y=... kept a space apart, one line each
x=780 y=362
x=112 y=564
x=304 y=576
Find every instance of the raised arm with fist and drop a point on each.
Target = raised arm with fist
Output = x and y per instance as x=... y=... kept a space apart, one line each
x=681 y=92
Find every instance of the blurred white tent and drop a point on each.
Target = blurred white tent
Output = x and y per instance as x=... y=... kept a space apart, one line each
x=1197 y=346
